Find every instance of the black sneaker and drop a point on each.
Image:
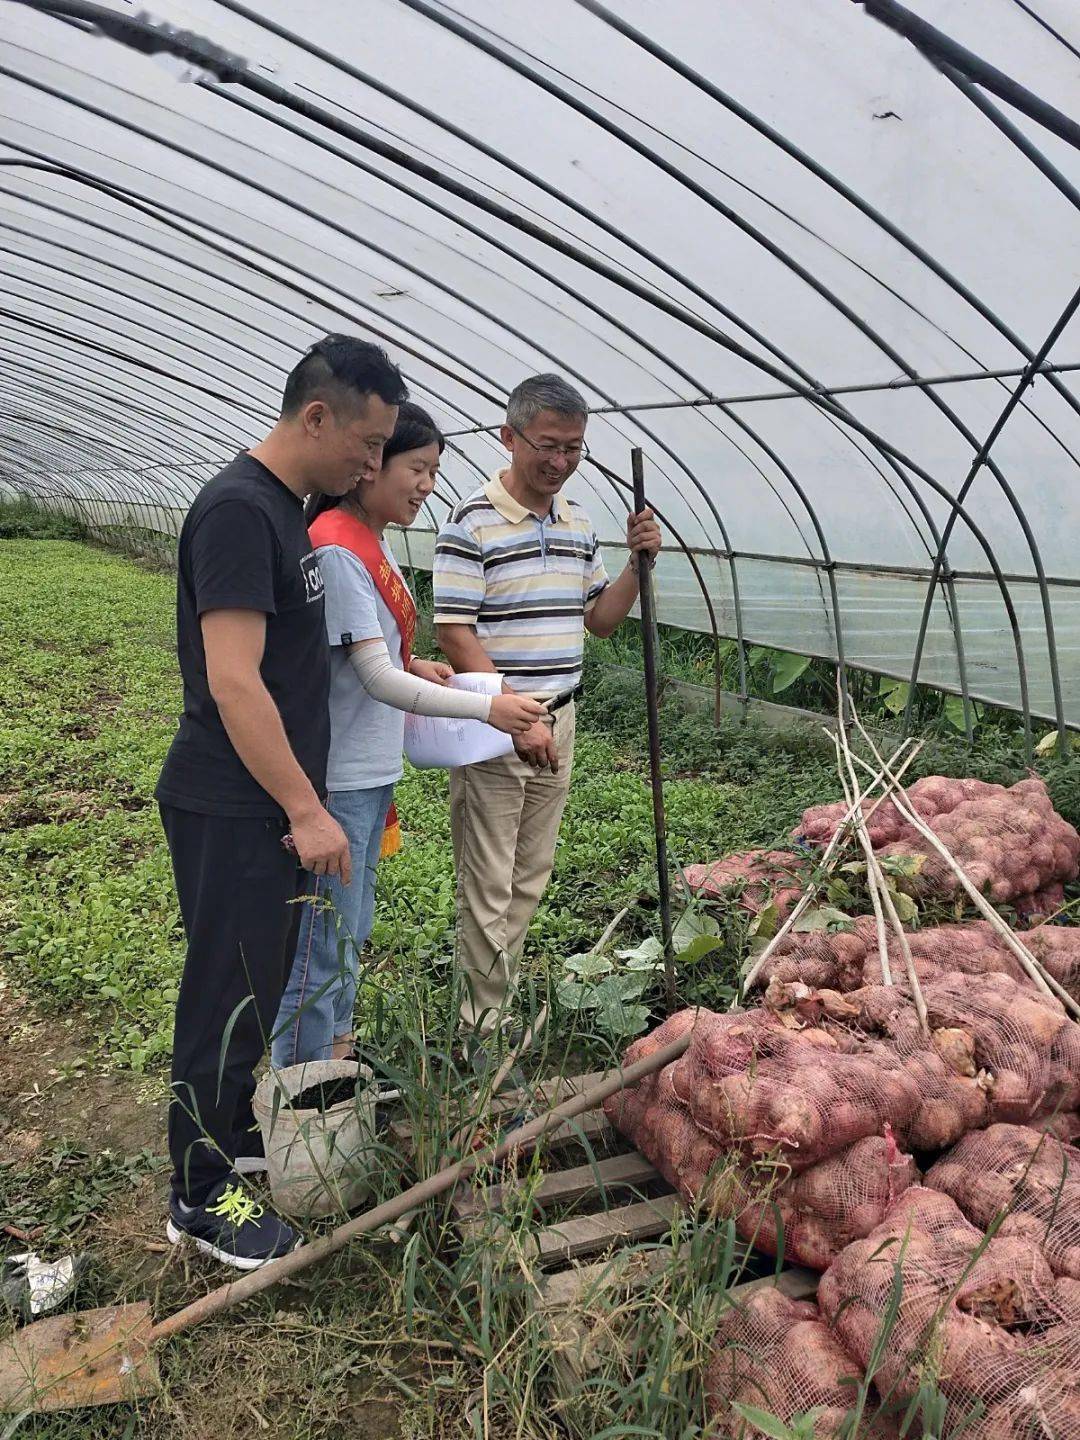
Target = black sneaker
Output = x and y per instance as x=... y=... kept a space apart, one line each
x=250 y=1155
x=232 y=1226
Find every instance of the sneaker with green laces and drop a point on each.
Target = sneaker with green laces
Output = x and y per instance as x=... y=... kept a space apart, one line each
x=232 y=1226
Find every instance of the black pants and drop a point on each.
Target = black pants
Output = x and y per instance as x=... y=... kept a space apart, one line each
x=235 y=883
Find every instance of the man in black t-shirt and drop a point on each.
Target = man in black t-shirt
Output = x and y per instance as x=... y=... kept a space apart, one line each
x=247 y=769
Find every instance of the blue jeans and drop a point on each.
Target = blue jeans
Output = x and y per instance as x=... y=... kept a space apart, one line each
x=321 y=994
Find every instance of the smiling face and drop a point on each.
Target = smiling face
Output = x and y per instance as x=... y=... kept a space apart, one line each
x=544 y=455
x=394 y=494
x=345 y=443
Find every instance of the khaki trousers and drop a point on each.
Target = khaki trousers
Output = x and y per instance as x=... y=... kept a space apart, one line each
x=504 y=818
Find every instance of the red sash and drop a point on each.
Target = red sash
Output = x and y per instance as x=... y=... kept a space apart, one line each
x=339 y=527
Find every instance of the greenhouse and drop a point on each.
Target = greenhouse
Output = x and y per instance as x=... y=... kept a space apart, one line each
x=791 y=1001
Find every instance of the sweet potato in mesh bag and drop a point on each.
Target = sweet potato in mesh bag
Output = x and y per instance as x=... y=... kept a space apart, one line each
x=777 y=1355
x=973 y=948
x=1012 y=844
x=836 y=960
x=930 y=797
x=982 y=1318
x=755 y=878
x=811 y=1216
x=1063 y=1125
x=994 y=1037
x=1058 y=948
x=751 y=1082
x=1032 y=1177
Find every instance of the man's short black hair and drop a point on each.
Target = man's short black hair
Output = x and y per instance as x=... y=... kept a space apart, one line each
x=342 y=370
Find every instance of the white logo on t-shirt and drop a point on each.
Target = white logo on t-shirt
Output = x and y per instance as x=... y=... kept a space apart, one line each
x=313 y=580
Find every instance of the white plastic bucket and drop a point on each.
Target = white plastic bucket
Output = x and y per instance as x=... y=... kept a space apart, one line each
x=318 y=1161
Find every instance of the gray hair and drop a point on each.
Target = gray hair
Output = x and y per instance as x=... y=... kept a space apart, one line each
x=543 y=392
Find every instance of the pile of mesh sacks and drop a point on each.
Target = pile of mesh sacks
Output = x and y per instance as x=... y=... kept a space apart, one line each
x=806 y=1119
x=1010 y=841
x=800 y=1119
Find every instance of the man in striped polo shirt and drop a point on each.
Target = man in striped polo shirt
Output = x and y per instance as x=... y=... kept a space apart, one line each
x=518 y=578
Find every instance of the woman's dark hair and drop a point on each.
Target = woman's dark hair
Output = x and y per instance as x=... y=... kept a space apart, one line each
x=414 y=429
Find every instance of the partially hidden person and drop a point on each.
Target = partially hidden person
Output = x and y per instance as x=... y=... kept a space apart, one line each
x=243 y=788
x=375 y=681
x=518 y=580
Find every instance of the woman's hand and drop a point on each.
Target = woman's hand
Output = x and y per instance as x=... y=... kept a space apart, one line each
x=433 y=670
x=514 y=714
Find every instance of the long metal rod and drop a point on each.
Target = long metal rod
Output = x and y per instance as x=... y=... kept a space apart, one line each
x=921 y=382
x=652 y=710
x=938 y=46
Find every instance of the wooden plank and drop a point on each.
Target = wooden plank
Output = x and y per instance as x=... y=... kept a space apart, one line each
x=563 y=1187
x=585 y=1234
x=567 y=1289
x=796 y=1283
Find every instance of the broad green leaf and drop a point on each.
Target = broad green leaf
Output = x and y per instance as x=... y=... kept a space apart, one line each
x=623 y=1020
x=699 y=948
x=954 y=712
x=906 y=908
x=820 y=917
x=765 y=923
x=570 y=994
x=787 y=668
x=620 y=988
x=649 y=949
x=690 y=926
x=588 y=966
x=904 y=866
x=838 y=892
x=647 y=963
x=762 y=1420
x=894 y=694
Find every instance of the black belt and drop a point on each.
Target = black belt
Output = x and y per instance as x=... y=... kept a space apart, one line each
x=564 y=699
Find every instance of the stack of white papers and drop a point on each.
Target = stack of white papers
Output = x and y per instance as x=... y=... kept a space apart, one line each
x=434 y=743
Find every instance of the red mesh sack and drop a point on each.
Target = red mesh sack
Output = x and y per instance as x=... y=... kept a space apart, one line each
x=974 y=948
x=837 y=960
x=1033 y=1177
x=1042 y=904
x=751 y=1082
x=986 y=1319
x=754 y=879
x=1058 y=948
x=777 y=1355
x=1010 y=844
x=930 y=797
x=1063 y=1125
x=992 y=1043
x=810 y=1217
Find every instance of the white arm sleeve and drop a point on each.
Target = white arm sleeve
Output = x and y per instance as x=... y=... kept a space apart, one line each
x=383 y=681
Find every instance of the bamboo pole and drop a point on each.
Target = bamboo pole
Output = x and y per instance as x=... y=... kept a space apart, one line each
x=834 y=844
x=1039 y=976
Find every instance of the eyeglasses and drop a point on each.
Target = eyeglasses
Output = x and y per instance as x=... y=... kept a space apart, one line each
x=575 y=453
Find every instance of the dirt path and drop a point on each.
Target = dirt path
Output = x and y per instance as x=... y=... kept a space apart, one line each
x=52 y=1087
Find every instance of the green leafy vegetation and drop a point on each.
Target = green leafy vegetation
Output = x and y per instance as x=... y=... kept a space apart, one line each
x=22 y=519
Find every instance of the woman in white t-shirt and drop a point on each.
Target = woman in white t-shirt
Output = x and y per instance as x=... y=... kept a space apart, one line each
x=375 y=681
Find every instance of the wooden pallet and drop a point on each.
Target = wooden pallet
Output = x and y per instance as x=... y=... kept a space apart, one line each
x=598 y=1199
x=595 y=1195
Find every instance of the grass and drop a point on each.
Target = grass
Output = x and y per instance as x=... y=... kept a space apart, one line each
x=420 y=1340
